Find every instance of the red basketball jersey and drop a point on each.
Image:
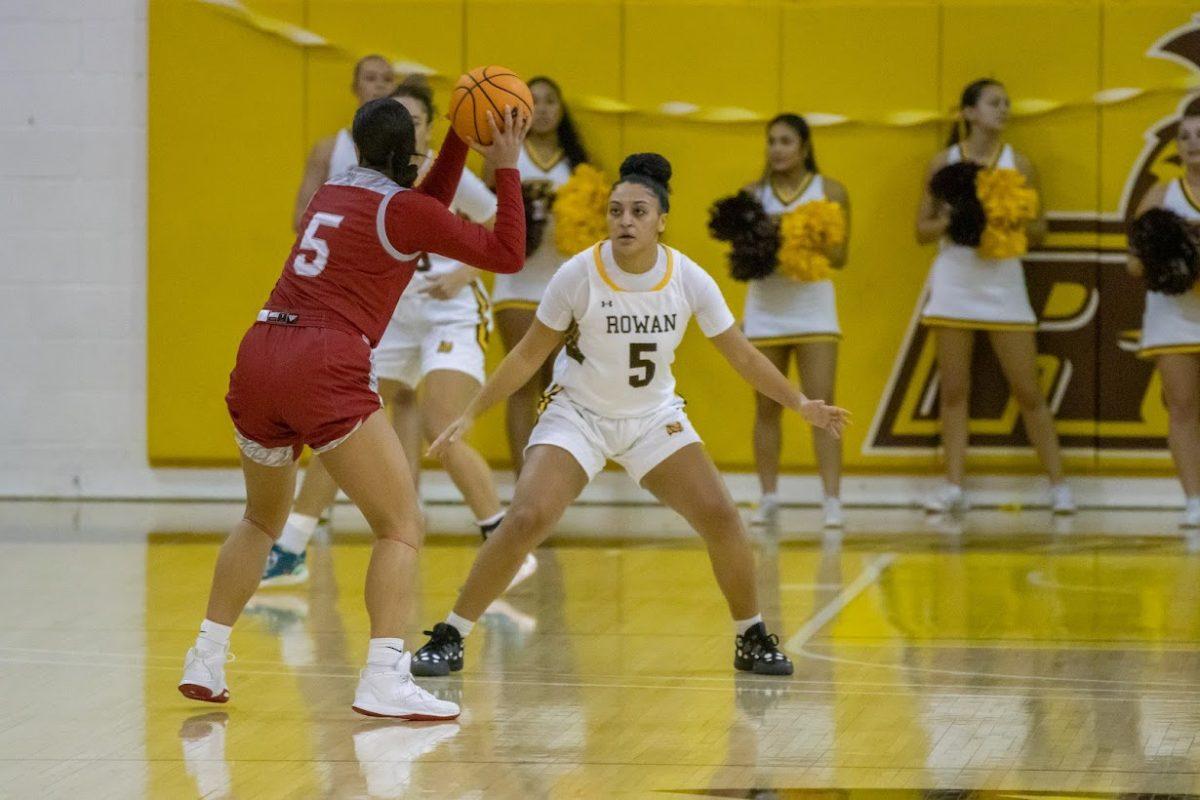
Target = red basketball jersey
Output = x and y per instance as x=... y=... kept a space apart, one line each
x=362 y=233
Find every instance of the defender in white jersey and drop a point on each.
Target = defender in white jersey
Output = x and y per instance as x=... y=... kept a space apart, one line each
x=622 y=308
x=552 y=150
x=1171 y=323
x=967 y=293
x=786 y=318
x=435 y=340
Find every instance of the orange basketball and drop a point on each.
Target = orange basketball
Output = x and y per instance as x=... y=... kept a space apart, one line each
x=485 y=89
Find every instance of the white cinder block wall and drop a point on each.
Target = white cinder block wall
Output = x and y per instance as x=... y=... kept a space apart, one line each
x=73 y=280
x=72 y=246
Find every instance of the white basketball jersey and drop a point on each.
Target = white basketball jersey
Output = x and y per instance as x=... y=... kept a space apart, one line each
x=344 y=155
x=622 y=329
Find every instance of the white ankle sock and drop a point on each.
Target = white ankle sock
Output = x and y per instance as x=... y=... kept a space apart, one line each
x=384 y=651
x=296 y=533
x=461 y=624
x=213 y=636
x=744 y=625
x=492 y=520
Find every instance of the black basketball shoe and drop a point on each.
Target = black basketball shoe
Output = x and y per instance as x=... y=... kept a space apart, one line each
x=757 y=651
x=442 y=654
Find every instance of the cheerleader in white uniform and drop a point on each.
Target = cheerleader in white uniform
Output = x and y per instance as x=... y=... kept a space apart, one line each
x=552 y=150
x=968 y=293
x=1171 y=323
x=622 y=307
x=333 y=155
x=785 y=317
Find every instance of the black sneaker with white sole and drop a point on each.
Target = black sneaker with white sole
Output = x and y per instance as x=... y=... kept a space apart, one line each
x=441 y=655
x=758 y=651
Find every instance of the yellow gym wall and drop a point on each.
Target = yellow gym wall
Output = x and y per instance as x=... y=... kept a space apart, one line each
x=233 y=112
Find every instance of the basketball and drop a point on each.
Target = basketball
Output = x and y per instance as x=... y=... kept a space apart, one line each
x=485 y=89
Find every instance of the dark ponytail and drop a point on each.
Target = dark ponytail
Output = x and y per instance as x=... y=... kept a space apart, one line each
x=969 y=99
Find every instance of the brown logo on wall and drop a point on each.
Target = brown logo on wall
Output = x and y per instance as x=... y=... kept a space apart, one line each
x=1089 y=318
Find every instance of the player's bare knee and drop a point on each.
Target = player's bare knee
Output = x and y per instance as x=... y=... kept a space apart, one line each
x=526 y=523
x=410 y=532
x=272 y=530
x=717 y=517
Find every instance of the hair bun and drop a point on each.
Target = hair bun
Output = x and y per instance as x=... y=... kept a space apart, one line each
x=648 y=165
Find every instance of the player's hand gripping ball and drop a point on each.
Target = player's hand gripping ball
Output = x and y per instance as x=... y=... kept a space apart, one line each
x=485 y=89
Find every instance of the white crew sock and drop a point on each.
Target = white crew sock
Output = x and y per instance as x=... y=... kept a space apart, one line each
x=384 y=652
x=296 y=533
x=744 y=625
x=213 y=636
x=461 y=624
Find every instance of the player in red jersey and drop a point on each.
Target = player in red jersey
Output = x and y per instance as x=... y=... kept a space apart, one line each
x=303 y=376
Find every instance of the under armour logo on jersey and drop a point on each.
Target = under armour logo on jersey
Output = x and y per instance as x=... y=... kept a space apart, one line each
x=282 y=318
x=606 y=303
x=674 y=428
x=445 y=347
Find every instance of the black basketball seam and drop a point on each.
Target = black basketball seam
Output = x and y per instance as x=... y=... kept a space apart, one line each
x=463 y=99
x=478 y=85
x=510 y=91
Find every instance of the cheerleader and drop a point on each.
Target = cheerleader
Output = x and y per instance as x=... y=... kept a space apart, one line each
x=622 y=307
x=552 y=150
x=968 y=293
x=786 y=318
x=333 y=155
x=303 y=377
x=1171 y=323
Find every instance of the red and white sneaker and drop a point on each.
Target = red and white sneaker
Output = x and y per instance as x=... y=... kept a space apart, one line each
x=204 y=676
x=393 y=693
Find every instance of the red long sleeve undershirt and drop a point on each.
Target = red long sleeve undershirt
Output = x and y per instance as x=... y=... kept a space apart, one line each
x=420 y=220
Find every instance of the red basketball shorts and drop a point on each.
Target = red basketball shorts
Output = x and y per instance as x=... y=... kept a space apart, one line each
x=296 y=385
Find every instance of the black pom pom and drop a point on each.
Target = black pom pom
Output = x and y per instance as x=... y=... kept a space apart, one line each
x=1169 y=250
x=954 y=185
x=538 y=197
x=648 y=165
x=741 y=220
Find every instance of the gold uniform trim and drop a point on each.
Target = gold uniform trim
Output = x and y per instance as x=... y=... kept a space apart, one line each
x=543 y=164
x=506 y=305
x=666 y=278
x=975 y=324
x=1169 y=349
x=799 y=338
x=482 y=331
x=799 y=192
x=547 y=397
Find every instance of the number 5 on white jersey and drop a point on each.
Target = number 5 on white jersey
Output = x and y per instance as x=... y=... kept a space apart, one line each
x=311 y=267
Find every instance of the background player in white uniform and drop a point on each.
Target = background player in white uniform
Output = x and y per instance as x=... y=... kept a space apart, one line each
x=622 y=308
x=333 y=155
x=436 y=339
x=552 y=150
x=1171 y=323
x=785 y=317
x=968 y=294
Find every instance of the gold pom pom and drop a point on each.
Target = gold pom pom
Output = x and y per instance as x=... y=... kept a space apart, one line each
x=1010 y=204
x=806 y=233
x=579 y=210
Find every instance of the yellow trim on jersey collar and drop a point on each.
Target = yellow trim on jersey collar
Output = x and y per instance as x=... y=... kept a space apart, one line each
x=544 y=166
x=1189 y=194
x=666 y=278
x=799 y=192
x=993 y=162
